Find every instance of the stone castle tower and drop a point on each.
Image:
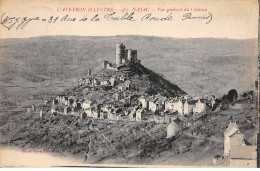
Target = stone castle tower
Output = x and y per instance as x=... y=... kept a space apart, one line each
x=124 y=55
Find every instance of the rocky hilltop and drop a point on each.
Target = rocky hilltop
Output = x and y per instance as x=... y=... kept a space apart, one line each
x=141 y=80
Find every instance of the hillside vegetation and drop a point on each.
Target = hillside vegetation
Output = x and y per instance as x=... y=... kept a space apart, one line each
x=35 y=69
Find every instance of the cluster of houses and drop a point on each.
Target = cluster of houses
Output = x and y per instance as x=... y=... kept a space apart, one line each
x=91 y=81
x=144 y=105
x=177 y=113
x=120 y=82
x=124 y=102
x=184 y=106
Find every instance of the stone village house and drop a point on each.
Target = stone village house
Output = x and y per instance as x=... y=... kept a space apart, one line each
x=239 y=154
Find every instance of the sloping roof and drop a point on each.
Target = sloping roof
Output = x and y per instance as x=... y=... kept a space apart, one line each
x=130 y=109
x=140 y=110
x=157 y=101
x=192 y=102
x=243 y=152
x=154 y=100
x=170 y=100
x=177 y=120
x=161 y=98
x=173 y=124
x=231 y=129
x=87 y=101
x=101 y=101
x=142 y=97
x=238 y=134
x=132 y=112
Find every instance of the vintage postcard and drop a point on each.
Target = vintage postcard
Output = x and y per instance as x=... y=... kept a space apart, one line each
x=137 y=83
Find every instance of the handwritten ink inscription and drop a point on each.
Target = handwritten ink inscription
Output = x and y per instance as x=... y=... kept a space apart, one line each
x=20 y=23
x=190 y=16
x=126 y=16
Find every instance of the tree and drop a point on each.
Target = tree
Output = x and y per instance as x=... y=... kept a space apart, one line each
x=232 y=95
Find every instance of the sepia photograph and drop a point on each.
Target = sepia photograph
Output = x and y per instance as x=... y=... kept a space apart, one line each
x=129 y=84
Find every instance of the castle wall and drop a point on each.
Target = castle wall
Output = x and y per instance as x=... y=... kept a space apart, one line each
x=129 y=54
x=134 y=56
x=119 y=53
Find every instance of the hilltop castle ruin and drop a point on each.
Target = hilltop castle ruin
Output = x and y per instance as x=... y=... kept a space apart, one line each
x=123 y=56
